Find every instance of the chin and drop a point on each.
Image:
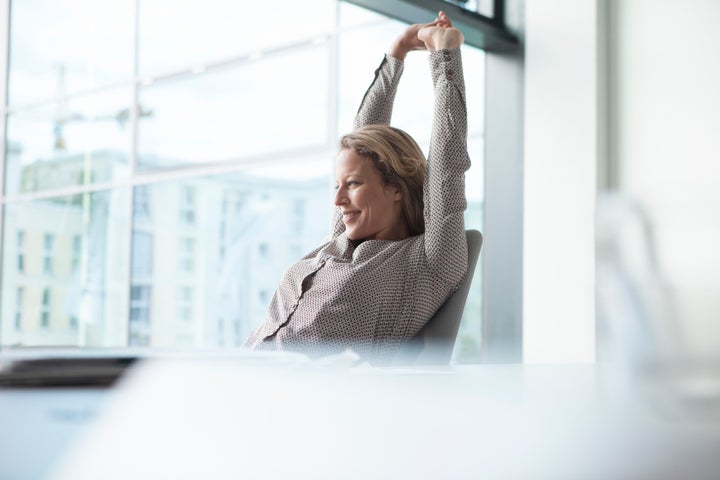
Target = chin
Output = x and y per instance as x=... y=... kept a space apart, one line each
x=355 y=234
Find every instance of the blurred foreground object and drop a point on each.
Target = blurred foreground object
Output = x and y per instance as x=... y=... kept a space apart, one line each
x=639 y=324
x=635 y=311
x=219 y=419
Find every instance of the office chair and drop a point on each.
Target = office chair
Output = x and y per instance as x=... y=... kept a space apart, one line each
x=433 y=344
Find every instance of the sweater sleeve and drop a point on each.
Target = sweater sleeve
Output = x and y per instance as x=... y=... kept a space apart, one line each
x=377 y=103
x=444 y=187
x=375 y=108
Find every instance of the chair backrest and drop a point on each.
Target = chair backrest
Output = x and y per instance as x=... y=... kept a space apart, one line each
x=433 y=344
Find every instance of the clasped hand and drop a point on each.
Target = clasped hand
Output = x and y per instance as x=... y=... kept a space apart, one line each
x=436 y=35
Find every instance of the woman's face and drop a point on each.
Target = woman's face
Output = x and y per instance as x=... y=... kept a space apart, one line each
x=370 y=210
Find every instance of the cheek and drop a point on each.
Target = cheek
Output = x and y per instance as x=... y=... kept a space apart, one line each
x=359 y=199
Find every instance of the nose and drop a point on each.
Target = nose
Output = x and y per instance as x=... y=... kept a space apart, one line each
x=341 y=197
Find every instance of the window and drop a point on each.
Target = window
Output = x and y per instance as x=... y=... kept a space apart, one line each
x=21 y=251
x=186 y=255
x=19 y=308
x=166 y=168
x=222 y=230
x=45 y=308
x=187 y=204
x=142 y=255
x=184 y=303
x=141 y=203
x=139 y=296
x=139 y=323
x=76 y=252
x=49 y=241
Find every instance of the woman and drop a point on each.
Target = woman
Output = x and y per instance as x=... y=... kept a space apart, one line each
x=398 y=249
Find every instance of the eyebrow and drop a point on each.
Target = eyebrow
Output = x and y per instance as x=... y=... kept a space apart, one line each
x=352 y=174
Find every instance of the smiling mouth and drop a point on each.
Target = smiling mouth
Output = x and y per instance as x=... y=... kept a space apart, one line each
x=348 y=217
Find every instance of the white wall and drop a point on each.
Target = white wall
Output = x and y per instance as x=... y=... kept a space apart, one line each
x=665 y=126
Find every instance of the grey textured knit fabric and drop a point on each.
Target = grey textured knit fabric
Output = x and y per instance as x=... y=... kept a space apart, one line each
x=373 y=295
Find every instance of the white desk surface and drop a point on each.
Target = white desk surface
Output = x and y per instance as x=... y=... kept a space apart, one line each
x=212 y=418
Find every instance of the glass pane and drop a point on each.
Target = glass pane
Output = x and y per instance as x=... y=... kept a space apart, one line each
x=360 y=51
x=81 y=299
x=350 y=15
x=474 y=70
x=483 y=7
x=59 y=47
x=271 y=104
x=469 y=340
x=80 y=141
x=202 y=31
x=208 y=283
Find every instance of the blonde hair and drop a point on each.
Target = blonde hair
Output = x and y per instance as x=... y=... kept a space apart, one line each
x=400 y=162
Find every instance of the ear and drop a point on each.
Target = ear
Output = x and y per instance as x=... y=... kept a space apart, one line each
x=394 y=191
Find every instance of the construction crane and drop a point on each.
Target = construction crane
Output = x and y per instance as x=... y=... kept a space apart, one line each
x=63 y=116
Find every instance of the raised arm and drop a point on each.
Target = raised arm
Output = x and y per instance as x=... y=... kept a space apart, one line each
x=377 y=103
x=444 y=188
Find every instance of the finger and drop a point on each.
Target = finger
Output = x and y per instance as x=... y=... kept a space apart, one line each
x=444 y=18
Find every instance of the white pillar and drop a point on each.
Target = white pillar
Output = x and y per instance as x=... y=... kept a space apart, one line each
x=561 y=153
